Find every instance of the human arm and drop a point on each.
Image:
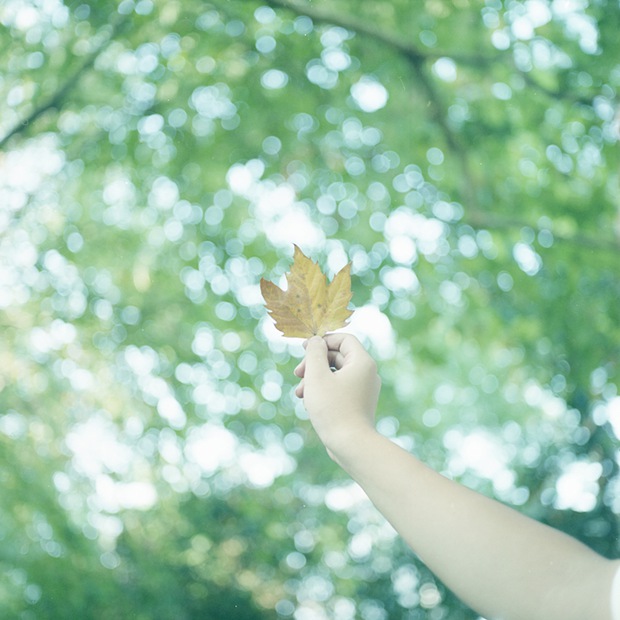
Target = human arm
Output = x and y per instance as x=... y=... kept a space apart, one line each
x=498 y=561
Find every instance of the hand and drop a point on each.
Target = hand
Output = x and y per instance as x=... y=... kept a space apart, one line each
x=341 y=403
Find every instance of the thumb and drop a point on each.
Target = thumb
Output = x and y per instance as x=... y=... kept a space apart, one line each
x=317 y=364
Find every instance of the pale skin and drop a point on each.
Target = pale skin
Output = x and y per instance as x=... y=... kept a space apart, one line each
x=501 y=563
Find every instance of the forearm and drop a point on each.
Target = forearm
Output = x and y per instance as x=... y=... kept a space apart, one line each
x=498 y=561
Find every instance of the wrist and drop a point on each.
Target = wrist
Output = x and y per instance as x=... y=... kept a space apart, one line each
x=349 y=447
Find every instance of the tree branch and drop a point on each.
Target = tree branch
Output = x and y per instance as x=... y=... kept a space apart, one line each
x=53 y=102
x=493 y=221
x=56 y=100
x=415 y=55
x=475 y=217
x=350 y=23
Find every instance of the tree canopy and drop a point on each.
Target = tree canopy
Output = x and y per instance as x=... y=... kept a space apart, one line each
x=158 y=157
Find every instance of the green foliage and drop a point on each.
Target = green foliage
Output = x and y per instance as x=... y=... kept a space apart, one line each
x=160 y=157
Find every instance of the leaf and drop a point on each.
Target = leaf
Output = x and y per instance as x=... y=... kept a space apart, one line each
x=309 y=306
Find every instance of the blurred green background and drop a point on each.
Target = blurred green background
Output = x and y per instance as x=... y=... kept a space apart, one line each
x=158 y=157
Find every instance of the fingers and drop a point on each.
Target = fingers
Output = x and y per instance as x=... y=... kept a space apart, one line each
x=316 y=360
x=339 y=347
x=335 y=359
x=299 y=390
x=347 y=344
x=333 y=351
x=300 y=369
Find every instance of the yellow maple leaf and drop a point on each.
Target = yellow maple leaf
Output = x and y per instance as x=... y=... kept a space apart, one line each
x=310 y=306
